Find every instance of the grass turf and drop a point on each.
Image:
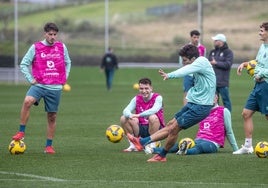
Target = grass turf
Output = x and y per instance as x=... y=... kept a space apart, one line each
x=85 y=158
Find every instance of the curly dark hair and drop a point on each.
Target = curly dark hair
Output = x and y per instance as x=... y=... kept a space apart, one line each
x=189 y=51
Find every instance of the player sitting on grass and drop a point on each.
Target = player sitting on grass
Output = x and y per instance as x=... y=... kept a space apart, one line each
x=144 y=114
x=211 y=134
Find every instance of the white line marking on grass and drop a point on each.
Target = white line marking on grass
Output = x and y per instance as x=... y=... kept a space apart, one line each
x=32 y=176
x=44 y=178
x=170 y=182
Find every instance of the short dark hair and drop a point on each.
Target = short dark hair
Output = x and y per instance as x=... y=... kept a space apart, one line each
x=145 y=81
x=189 y=51
x=194 y=32
x=51 y=27
x=264 y=25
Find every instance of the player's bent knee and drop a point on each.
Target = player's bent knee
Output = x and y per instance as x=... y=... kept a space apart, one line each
x=247 y=114
x=153 y=118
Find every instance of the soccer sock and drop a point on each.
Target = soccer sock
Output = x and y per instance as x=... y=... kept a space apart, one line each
x=163 y=153
x=145 y=141
x=157 y=150
x=248 y=142
x=174 y=148
x=22 y=128
x=49 y=142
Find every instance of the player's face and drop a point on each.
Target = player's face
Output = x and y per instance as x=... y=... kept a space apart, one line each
x=187 y=61
x=263 y=34
x=195 y=40
x=145 y=90
x=51 y=36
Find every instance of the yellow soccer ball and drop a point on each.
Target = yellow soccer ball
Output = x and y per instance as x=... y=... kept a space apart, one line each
x=251 y=67
x=114 y=133
x=66 y=87
x=16 y=147
x=136 y=86
x=190 y=142
x=261 y=149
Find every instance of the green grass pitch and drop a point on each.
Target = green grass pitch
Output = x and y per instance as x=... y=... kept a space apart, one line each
x=85 y=158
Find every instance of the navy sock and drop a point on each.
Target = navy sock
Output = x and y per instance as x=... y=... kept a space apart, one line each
x=49 y=142
x=22 y=128
x=174 y=148
x=145 y=140
x=157 y=150
x=163 y=153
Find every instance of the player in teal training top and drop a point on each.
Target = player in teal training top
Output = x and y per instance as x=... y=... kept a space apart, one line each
x=257 y=99
x=200 y=99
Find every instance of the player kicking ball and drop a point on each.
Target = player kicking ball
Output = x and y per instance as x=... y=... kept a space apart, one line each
x=200 y=100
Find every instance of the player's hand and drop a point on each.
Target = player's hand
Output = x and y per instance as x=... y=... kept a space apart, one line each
x=258 y=79
x=240 y=68
x=134 y=116
x=163 y=74
x=213 y=62
x=34 y=82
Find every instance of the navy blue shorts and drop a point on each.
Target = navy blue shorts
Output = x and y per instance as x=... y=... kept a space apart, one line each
x=192 y=114
x=144 y=131
x=257 y=100
x=51 y=97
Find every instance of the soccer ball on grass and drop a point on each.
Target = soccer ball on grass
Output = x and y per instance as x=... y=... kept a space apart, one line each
x=251 y=67
x=261 y=149
x=114 y=133
x=190 y=142
x=16 y=147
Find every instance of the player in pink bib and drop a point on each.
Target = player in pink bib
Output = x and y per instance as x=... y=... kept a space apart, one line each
x=144 y=114
x=50 y=64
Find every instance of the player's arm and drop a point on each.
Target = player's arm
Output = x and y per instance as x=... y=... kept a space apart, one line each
x=26 y=62
x=196 y=66
x=156 y=107
x=67 y=61
x=127 y=112
x=229 y=130
x=241 y=67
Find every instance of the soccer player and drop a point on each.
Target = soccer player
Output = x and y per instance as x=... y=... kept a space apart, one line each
x=50 y=64
x=144 y=114
x=210 y=136
x=188 y=80
x=200 y=101
x=257 y=100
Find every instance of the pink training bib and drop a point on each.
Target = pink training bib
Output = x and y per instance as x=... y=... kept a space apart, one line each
x=48 y=66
